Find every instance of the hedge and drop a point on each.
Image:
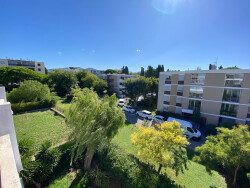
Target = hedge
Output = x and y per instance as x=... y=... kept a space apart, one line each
x=24 y=107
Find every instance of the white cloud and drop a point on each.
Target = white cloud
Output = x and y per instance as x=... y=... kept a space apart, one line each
x=138 y=50
x=59 y=53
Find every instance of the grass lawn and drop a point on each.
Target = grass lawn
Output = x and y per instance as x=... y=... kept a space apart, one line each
x=64 y=181
x=62 y=106
x=40 y=126
x=195 y=176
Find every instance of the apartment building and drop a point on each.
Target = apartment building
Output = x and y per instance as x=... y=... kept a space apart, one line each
x=221 y=95
x=115 y=82
x=33 y=65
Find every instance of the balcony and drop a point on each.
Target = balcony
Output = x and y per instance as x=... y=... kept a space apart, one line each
x=168 y=82
x=166 y=102
x=181 y=82
x=178 y=104
x=179 y=93
x=167 y=92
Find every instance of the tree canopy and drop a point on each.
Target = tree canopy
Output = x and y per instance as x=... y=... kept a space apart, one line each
x=163 y=145
x=125 y=70
x=94 y=122
x=62 y=81
x=19 y=74
x=112 y=71
x=230 y=148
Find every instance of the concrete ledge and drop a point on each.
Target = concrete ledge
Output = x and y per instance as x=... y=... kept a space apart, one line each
x=9 y=175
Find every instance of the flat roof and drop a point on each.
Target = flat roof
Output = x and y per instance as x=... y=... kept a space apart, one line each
x=228 y=71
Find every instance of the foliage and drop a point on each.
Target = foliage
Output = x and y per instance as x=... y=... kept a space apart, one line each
x=84 y=182
x=235 y=67
x=220 y=67
x=99 y=178
x=231 y=148
x=89 y=80
x=28 y=106
x=150 y=72
x=61 y=81
x=41 y=168
x=125 y=70
x=159 y=69
x=142 y=72
x=196 y=116
x=112 y=71
x=135 y=87
x=163 y=145
x=30 y=91
x=94 y=122
x=211 y=129
x=19 y=74
x=130 y=171
x=169 y=114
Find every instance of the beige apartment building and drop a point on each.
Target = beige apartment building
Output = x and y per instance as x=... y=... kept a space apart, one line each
x=221 y=95
x=115 y=82
x=33 y=65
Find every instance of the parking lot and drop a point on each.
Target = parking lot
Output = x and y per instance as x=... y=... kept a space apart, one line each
x=134 y=119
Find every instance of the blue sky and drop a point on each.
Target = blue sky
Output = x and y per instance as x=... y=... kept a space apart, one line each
x=181 y=34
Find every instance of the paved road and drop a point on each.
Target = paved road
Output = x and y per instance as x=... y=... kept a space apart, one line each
x=134 y=119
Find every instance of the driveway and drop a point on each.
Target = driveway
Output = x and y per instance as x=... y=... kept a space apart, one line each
x=134 y=119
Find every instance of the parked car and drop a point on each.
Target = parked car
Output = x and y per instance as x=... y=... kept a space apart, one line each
x=129 y=109
x=145 y=114
x=190 y=131
x=121 y=102
x=159 y=119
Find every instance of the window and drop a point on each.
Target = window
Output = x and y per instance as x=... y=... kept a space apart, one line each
x=231 y=95
x=180 y=89
x=228 y=109
x=2 y=62
x=168 y=88
x=234 y=80
x=190 y=130
x=196 y=92
x=223 y=120
x=39 y=69
x=167 y=98
x=39 y=64
x=198 y=79
x=194 y=104
x=178 y=100
x=166 y=108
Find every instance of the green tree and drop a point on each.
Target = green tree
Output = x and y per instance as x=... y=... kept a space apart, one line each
x=11 y=75
x=235 y=67
x=231 y=148
x=159 y=69
x=220 y=67
x=30 y=91
x=196 y=116
x=62 y=81
x=163 y=145
x=111 y=71
x=142 y=71
x=150 y=72
x=94 y=122
x=100 y=86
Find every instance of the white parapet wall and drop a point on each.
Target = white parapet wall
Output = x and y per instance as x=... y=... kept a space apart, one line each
x=8 y=171
x=7 y=126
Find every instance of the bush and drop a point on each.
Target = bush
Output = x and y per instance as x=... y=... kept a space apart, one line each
x=84 y=182
x=169 y=114
x=24 y=107
x=30 y=91
x=211 y=129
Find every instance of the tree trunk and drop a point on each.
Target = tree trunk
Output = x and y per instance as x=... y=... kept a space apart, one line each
x=88 y=158
x=159 y=169
x=235 y=175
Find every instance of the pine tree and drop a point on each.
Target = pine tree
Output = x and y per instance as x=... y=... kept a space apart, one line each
x=142 y=71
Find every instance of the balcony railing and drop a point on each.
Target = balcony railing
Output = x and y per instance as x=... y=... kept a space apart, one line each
x=181 y=82
x=178 y=104
x=167 y=92
x=166 y=102
x=179 y=93
x=167 y=82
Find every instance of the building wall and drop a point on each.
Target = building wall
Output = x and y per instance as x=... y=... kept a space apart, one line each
x=7 y=127
x=212 y=98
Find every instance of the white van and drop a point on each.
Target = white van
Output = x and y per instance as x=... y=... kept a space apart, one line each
x=190 y=132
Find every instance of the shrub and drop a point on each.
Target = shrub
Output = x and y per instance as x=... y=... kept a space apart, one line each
x=83 y=183
x=30 y=91
x=211 y=129
x=24 y=107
